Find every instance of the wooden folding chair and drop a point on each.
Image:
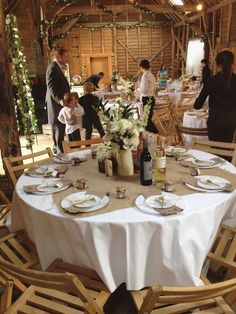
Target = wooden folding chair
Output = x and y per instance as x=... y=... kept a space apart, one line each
x=223 y=254
x=75 y=146
x=52 y=293
x=183 y=130
x=89 y=277
x=5 y=207
x=18 y=249
x=16 y=165
x=187 y=99
x=177 y=300
x=217 y=148
x=6 y=292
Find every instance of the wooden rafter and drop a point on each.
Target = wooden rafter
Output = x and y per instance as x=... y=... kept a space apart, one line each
x=11 y=6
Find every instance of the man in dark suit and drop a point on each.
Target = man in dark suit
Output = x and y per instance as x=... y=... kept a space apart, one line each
x=95 y=78
x=57 y=86
x=206 y=72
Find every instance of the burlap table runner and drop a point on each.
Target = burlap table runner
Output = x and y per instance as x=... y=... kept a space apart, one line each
x=100 y=185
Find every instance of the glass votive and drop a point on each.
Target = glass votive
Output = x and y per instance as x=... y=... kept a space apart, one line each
x=194 y=171
x=120 y=192
x=168 y=186
x=81 y=184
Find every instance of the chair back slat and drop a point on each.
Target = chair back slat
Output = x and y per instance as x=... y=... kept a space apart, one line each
x=17 y=250
x=223 y=251
x=15 y=165
x=65 y=282
x=217 y=148
x=75 y=146
x=180 y=295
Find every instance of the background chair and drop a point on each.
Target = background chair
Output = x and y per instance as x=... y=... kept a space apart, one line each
x=217 y=148
x=16 y=165
x=75 y=146
x=194 y=132
x=173 y=300
x=51 y=292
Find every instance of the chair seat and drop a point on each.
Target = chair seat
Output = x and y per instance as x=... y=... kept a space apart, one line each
x=39 y=300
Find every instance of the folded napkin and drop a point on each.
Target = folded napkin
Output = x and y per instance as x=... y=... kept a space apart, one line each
x=54 y=171
x=169 y=211
x=31 y=189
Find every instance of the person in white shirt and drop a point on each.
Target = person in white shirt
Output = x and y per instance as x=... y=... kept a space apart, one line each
x=70 y=114
x=147 y=91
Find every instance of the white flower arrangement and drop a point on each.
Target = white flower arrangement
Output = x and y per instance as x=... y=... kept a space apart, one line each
x=104 y=151
x=122 y=131
x=129 y=87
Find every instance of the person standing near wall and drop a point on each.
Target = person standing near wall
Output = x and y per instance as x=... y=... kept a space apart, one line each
x=57 y=86
x=206 y=72
x=147 y=91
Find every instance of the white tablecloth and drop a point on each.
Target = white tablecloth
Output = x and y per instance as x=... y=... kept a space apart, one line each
x=126 y=245
x=194 y=119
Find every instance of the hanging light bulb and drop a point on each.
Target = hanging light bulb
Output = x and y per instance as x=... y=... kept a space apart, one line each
x=199 y=7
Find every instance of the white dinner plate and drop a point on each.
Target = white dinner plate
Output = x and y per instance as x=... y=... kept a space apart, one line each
x=160 y=201
x=50 y=186
x=141 y=202
x=69 y=203
x=201 y=189
x=41 y=171
x=211 y=182
x=204 y=163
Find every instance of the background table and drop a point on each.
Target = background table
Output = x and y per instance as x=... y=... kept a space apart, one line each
x=125 y=245
x=195 y=119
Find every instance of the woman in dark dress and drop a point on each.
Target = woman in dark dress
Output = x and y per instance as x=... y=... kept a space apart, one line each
x=221 y=89
x=90 y=118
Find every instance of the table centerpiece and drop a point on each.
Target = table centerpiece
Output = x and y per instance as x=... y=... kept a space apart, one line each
x=122 y=132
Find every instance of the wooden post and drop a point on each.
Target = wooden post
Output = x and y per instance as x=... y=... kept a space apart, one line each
x=9 y=137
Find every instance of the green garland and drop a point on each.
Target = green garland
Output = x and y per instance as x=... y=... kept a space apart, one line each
x=66 y=3
x=102 y=7
x=24 y=101
x=52 y=39
x=142 y=8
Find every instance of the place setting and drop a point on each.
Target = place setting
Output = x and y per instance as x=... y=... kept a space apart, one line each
x=203 y=163
x=164 y=204
x=208 y=184
x=48 y=187
x=81 y=202
x=46 y=171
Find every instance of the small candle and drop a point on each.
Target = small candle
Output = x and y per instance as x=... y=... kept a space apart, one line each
x=120 y=192
x=81 y=184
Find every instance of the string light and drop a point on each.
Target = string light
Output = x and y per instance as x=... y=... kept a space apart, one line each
x=199 y=7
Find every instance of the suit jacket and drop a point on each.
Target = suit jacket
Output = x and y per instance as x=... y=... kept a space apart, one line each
x=90 y=116
x=57 y=86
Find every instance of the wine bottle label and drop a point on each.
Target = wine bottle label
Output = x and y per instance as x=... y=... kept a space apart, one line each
x=147 y=167
x=161 y=162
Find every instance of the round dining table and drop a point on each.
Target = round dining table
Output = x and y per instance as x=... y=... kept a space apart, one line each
x=195 y=119
x=122 y=242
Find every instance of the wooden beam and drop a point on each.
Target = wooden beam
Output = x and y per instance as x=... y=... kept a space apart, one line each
x=122 y=8
x=229 y=22
x=126 y=49
x=11 y=6
x=183 y=52
x=66 y=27
x=212 y=9
x=160 y=50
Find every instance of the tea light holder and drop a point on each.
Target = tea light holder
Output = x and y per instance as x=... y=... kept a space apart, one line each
x=168 y=186
x=81 y=184
x=120 y=192
x=194 y=171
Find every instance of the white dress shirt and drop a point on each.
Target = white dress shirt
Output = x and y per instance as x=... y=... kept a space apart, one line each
x=71 y=117
x=147 y=84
